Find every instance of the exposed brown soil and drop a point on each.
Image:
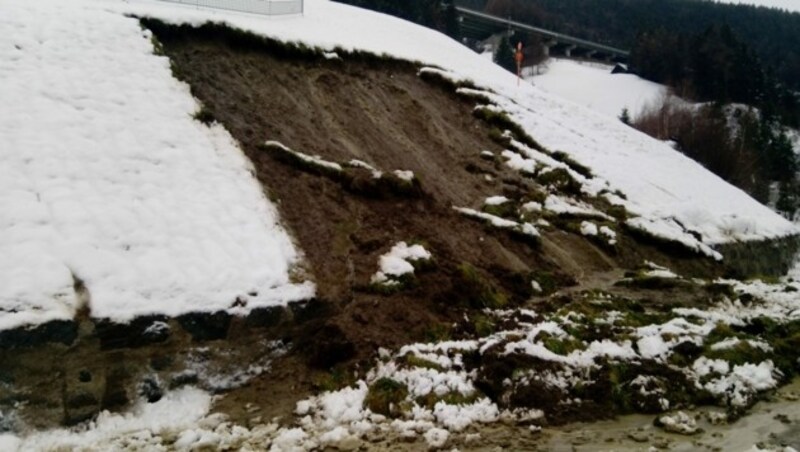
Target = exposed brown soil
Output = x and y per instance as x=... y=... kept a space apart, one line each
x=385 y=115
x=388 y=118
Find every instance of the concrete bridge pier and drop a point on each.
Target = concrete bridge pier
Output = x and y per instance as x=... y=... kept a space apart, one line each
x=568 y=50
x=547 y=45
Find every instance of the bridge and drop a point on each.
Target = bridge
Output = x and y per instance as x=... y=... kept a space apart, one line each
x=479 y=25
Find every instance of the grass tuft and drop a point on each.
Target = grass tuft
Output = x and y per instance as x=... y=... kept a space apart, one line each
x=385 y=397
x=477 y=292
x=560 y=179
x=205 y=116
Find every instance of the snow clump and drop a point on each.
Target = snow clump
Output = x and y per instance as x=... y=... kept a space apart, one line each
x=399 y=262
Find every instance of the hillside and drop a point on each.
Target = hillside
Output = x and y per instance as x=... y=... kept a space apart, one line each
x=594 y=86
x=771 y=33
x=276 y=233
x=653 y=108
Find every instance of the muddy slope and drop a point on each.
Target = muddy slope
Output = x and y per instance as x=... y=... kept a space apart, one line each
x=383 y=113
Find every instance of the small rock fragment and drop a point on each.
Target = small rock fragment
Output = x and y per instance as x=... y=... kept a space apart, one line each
x=638 y=436
x=679 y=422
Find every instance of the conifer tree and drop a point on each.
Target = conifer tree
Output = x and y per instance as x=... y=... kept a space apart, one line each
x=504 y=55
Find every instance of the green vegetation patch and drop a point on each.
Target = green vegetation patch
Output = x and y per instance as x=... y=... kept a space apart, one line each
x=616 y=211
x=412 y=360
x=721 y=332
x=438 y=79
x=738 y=354
x=337 y=378
x=643 y=280
x=784 y=339
x=502 y=121
x=499 y=137
x=205 y=116
x=508 y=210
x=484 y=325
x=475 y=96
x=386 y=396
x=565 y=158
x=559 y=179
x=560 y=345
x=437 y=332
x=550 y=281
x=451 y=398
x=475 y=291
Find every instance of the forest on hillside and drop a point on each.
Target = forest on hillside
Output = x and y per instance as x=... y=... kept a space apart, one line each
x=773 y=34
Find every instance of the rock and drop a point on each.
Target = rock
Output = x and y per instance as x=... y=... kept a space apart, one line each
x=206 y=326
x=661 y=443
x=151 y=390
x=251 y=408
x=139 y=332
x=159 y=362
x=265 y=317
x=212 y=421
x=58 y=331
x=639 y=436
x=717 y=417
x=436 y=438
x=329 y=347
x=471 y=438
x=187 y=377
x=115 y=394
x=254 y=421
x=679 y=422
x=350 y=442
x=782 y=418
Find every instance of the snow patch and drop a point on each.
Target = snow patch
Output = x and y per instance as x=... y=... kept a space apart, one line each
x=106 y=178
x=398 y=262
x=567 y=206
x=495 y=200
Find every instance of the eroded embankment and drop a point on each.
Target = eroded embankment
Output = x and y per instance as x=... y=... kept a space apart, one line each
x=66 y=372
x=361 y=153
x=383 y=113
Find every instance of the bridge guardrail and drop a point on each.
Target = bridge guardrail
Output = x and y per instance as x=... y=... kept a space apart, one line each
x=542 y=32
x=264 y=7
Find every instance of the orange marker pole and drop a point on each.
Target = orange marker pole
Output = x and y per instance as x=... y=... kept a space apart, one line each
x=518 y=56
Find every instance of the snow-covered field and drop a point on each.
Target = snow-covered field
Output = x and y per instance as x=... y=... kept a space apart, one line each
x=106 y=178
x=594 y=86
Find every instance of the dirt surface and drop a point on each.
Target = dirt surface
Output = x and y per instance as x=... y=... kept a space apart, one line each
x=387 y=116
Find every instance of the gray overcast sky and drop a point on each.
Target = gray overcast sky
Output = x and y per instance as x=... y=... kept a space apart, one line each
x=791 y=5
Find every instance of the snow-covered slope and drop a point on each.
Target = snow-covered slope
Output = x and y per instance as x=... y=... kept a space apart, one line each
x=106 y=178
x=594 y=86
